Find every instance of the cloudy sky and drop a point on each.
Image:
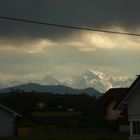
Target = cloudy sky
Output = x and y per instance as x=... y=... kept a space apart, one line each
x=29 y=51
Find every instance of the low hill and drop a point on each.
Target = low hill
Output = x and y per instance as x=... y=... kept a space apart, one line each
x=55 y=89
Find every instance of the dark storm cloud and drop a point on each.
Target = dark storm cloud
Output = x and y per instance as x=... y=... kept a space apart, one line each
x=87 y=13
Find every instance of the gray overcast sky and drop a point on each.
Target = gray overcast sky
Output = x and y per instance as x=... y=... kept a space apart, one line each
x=89 y=13
x=29 y=51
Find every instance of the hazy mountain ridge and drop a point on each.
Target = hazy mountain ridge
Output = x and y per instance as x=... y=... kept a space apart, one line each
x=54 y=89
x=91 y=78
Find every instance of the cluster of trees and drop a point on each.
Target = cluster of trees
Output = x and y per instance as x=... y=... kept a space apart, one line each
x=27 y=101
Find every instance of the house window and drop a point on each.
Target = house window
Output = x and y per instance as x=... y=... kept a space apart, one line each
x=136 y=127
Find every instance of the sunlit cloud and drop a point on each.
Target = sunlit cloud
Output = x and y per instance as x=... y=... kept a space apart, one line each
x=5 y=77
x=91 y=41
x=73 y=43
x=112 y=41
x=25 y=46
x=84 y=41
x=70 y=55
x=82 y=46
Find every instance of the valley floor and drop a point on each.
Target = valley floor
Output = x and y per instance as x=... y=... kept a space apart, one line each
x=88 y=136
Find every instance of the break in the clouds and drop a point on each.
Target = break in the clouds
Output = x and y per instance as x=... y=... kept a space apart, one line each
x=33 y=58
x=29 y=51
x=24 y=45
x=83 y=41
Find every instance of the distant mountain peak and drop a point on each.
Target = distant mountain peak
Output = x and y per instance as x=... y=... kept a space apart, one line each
x=91 y=78
x=96 y=74
x=50 y=80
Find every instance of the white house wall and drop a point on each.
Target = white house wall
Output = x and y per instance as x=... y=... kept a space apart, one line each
x=134 y=105
x=134 y=109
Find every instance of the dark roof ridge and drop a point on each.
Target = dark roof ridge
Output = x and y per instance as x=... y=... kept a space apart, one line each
x=129 y=89
x=10 y=110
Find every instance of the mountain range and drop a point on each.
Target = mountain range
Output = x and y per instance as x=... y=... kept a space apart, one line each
x=90 y=79
x=54 y=89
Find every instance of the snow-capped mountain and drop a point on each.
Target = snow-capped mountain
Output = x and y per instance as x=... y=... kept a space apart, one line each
x=121 y=82
x=98 y=80
x=91 y=78
x=50 y=80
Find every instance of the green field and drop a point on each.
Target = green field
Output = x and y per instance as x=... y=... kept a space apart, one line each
x=111 y=136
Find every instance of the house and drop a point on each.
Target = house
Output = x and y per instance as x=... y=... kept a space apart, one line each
x=110 y=100
x=132 y=101
x=8 y=121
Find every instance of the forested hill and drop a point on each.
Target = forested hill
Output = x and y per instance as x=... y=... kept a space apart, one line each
x=28 y=101
x=55 y=89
